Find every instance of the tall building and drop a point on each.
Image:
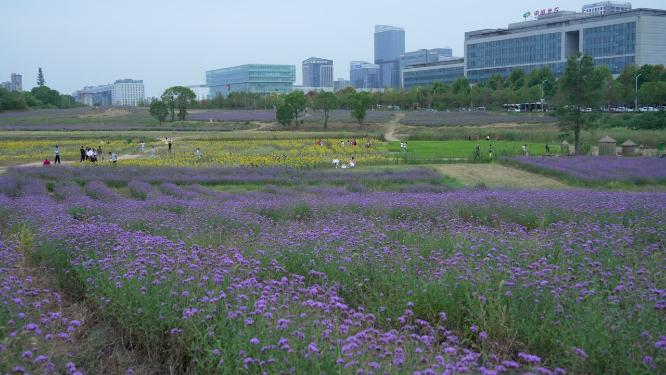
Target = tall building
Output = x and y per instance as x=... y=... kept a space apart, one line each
x=255 y=78
x=605 y=7
x=127 y=92
x=614 y=39
x=14 y=84
x=364 y=75
x=317 y=72
x=124 y=92
x=446 y=71
x=17 y=82
x=389 y=45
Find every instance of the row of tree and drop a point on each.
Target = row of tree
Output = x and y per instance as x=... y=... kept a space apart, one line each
x=40 y=96
x=519 y=87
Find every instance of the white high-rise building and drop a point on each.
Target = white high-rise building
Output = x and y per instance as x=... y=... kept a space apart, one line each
x=127 y=92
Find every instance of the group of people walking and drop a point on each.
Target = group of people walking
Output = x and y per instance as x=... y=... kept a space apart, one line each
x=90 y=154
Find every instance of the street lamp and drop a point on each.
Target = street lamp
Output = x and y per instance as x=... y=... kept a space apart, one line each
x=543 y=100
x=636 y=95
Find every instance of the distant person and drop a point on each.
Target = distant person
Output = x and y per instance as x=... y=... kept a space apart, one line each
x=547 y=149
x=142 y=146
x=477 y=152
x=114 y=157
x=352 y=163
x=83 y=154
x=527 y=150
x=198 y=153
x=46 y=162
x=169 y=143
x=490 y=152
x=342 y=143
x=487 y=138
x=524 y=150
x=336 y=163
x=100 y=154
x=57 y=155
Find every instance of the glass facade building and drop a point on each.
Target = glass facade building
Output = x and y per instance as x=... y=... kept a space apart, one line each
x=427 y=74
x=317 y=72
x=364 y=75
x=389 y=45
x=615 y=39
x=254 y=78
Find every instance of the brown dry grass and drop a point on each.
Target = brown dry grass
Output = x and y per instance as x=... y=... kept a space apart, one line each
x=499 y=176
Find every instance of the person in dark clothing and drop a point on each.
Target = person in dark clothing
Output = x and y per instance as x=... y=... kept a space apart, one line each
x=83 y=154
x=477 y=152
x=547 y=149
x=57 y=155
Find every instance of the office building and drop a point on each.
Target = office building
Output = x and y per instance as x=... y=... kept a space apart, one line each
x=419 y=57
x=317 y=72
x=614 y=39
x=127 y=92
x=95 y=95
x=605 y=7
x=364 y=75
x=14 y=84
x=389 y=45
x=254 y=78
x=446 y=71
x=123 y=92
x=341 y=84
x=443 y=53
x=425 y=56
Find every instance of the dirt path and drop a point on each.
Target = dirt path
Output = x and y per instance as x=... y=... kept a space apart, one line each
x=66 y=162
x=389 y=135
x=499 y=176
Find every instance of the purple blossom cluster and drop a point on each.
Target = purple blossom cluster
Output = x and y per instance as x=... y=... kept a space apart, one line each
x=320 y=279
x=600 y=168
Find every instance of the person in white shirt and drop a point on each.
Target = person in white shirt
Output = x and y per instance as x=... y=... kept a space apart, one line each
x=57 y=155
x=114 y=157
x=142 y=146
x=198 y=153
x=336 y=162
x=352 y=163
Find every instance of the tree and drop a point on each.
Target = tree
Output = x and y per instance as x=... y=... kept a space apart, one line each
x=326 y=101
x=159 y=110
x=296 y=101
x=517 y=79
x=178 y=97
x=653 y=93
x=580 y=88
x=284 y=114
x=40 y=77
x=360 y=102
x=46 y=95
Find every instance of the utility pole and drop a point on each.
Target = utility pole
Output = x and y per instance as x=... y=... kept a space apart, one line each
x=543 y=98
x=636 y=94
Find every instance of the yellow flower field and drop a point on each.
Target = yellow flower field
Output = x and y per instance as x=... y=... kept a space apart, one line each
x=297 y=153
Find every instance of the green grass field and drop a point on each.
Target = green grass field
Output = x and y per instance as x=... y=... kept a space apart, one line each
x=433 y=151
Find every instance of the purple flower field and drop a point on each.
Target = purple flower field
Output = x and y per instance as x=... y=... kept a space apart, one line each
x=600 y=168
x=269 y=116
x=318 y=277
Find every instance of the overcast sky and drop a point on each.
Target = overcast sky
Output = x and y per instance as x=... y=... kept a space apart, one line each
x=166 y=42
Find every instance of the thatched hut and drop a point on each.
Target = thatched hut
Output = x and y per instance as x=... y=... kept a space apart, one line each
x=629 y=148
x=607 y=146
